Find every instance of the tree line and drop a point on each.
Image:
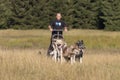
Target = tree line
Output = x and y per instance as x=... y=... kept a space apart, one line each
x=78 y=14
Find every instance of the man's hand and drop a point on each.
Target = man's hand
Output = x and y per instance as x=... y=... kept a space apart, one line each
x=65 y=29
x=51 y=29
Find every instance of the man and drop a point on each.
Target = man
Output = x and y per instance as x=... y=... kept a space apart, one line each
x=57 y=24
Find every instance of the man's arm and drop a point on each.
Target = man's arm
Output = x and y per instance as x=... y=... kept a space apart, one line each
x=50 y=28
x=65 y=27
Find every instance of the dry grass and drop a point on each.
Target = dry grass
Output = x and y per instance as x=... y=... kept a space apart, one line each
x=29 y=65
x=20 y=60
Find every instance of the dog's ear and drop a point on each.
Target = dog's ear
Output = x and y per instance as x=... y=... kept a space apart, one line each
x=82 y=41
x=78 y=42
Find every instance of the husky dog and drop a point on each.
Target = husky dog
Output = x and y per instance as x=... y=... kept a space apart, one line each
x=57 y=53
x=62 y=51
x=74 y=52
x=81 y=47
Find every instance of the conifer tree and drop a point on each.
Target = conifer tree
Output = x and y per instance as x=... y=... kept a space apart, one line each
x=111 y=14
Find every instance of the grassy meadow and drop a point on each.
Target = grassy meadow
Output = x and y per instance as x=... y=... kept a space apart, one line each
x=94 y=39
x=20 y=58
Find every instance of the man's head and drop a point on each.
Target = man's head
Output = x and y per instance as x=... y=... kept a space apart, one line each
x=58 y=16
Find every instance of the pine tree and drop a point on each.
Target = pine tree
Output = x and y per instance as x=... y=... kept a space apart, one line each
x=36 y=14
x=111 y=14
x=5 y=13
x=29 y=14
x=84 y=14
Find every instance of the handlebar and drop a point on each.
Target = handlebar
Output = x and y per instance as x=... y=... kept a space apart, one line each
x=58 y=30
x=57 y=35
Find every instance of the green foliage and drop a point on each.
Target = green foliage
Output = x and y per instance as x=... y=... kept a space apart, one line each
x=81 y=14
x=84 y=14
x=28 y=14
x=111 y=14
x=5 y=13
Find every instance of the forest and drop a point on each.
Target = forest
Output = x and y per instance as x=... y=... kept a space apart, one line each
x=78 y=14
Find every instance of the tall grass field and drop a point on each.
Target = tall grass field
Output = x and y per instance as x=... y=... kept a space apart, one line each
x=20 y=57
